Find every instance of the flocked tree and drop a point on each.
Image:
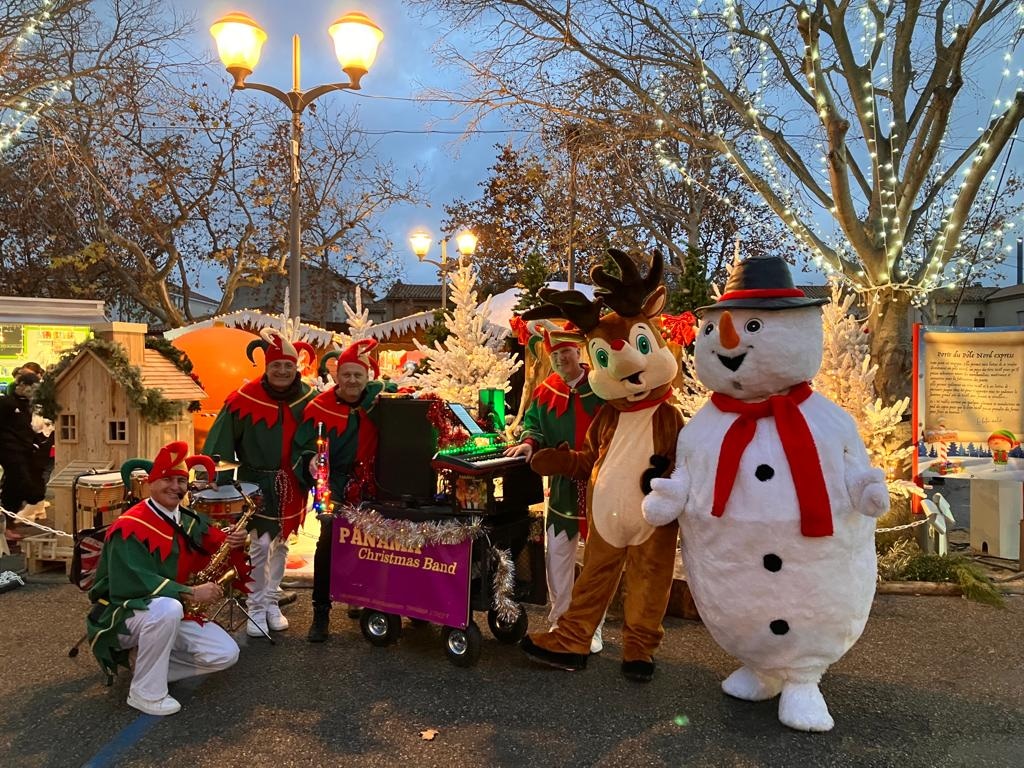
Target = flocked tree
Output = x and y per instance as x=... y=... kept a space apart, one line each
x=847 y=377
x=471 y=358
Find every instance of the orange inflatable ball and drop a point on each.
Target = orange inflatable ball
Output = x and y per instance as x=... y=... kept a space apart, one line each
x=218 y=358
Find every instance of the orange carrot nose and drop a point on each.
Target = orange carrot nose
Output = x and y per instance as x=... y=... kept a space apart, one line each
x=727 y=332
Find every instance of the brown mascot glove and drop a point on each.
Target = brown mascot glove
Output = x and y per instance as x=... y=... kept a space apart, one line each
x=555 y=461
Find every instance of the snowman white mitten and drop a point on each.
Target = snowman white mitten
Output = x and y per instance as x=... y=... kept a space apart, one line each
x=868 y=492
x=667 y=498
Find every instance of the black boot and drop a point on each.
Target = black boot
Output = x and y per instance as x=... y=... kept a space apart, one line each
x=321 y=627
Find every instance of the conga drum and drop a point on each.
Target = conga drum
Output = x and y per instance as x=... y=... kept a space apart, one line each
x=100 y=498
x=224 y=505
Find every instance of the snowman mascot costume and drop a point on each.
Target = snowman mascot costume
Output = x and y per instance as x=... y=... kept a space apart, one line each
x=775 y=497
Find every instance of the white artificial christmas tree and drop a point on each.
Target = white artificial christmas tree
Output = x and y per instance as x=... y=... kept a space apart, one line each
x=471 y=358
x=847 y=378
x=690 y=392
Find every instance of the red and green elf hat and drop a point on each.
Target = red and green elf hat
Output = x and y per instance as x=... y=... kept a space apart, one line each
x=172 y=461
x=357 y=352
x=550 y=335
x=276 y=347
x=1004 y=434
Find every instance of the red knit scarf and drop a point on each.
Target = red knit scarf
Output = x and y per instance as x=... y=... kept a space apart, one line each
x=797 y=443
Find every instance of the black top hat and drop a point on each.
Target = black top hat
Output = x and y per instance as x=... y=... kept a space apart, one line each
x=762 y=282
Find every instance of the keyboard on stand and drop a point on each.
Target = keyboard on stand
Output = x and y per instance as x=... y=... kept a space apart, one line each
x=483 y=463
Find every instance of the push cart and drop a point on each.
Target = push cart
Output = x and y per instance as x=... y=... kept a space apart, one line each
x=438 y=562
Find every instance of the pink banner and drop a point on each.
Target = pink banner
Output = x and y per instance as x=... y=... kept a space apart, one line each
x=429 y=582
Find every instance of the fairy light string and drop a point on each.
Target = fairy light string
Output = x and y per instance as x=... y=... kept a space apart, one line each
x=919 y=276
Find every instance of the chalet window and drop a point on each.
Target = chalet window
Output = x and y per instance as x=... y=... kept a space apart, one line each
x=979 y=322
x=68 y=424
x=117 y=431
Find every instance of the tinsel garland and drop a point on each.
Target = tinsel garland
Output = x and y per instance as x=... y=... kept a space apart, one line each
x=411 y=535
x=448 y=434
x=505 y=608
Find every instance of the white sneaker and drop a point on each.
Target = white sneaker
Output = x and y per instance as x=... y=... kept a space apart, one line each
x=257 y=624
x=596 y=642
x=276 y=620
x=168 y=705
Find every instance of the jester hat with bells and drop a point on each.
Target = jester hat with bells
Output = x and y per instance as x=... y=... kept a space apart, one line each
x=172 y=461
x=357 y=352
x=276 y=347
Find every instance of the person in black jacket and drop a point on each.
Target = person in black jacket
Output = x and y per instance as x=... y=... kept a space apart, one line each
x=22 y=482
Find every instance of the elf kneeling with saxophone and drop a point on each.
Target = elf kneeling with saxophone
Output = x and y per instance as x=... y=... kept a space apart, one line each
x=144 y=581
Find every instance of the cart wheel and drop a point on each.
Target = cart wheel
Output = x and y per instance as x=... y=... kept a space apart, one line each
x=508 y=633
x=380 y=628
x=463 y=645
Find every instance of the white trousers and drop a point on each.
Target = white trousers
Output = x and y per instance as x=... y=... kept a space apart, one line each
x=170 y=649
x=560 y=569
x=268 y=556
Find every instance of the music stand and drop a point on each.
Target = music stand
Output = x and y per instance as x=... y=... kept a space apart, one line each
x=232 y=602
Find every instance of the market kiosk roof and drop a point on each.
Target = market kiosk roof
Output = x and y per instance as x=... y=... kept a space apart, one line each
x=35 y=311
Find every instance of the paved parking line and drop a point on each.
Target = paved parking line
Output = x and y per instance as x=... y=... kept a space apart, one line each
x=137 y=729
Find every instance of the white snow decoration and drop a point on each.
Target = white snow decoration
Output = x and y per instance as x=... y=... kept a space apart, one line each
x=470 y=359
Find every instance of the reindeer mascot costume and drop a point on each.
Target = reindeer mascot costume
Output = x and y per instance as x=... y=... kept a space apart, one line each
x=631 y=440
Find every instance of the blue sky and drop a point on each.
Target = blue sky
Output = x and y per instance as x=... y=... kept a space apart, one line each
x=406 y=65
x=404 y=69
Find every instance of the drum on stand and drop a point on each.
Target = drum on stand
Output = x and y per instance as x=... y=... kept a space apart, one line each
x=140 y=484
x=224 y=505
x=100 y=497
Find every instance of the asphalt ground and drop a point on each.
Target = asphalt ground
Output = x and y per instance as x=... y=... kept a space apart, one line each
x=934 y=681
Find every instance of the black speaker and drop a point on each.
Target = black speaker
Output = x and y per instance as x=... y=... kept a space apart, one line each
x=405 y=446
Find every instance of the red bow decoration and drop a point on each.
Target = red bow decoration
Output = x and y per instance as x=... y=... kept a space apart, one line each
x=520 y=329
x=680 y=329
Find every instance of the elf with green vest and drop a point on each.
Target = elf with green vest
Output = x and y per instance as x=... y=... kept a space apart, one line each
x=150 y=555
x=563 y=407
x=347 y=414
x=256 y=427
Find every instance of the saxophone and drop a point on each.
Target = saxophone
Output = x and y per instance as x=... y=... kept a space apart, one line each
x=219 y=570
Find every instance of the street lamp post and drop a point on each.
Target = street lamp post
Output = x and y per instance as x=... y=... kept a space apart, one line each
x=421 y=241
x=239 y=40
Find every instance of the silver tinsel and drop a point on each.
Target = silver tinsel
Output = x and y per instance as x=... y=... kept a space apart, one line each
x=410 y=535
x=506 y=609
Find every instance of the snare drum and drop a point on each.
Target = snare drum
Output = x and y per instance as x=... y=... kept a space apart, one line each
x=102 y=495
x=223 y=505
x=140 y=484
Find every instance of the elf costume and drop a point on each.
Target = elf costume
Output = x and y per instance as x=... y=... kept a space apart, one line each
x=351 y=432
x=256 y=427
x=148 y=558
x=560 y=413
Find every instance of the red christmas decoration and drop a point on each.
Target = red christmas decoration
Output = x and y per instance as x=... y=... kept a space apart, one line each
x=681 y=329
x=448 y=433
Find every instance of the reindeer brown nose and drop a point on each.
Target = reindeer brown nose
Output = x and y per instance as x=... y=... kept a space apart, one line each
x=727 y=332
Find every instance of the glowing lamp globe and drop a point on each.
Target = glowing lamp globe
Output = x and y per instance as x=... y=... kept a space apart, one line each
x=356 y=40
x=466 y=241
x=239 y=42
x=420 y=242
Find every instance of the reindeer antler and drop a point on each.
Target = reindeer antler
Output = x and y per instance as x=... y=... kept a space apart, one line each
x=570 y=305
x=626 y=295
